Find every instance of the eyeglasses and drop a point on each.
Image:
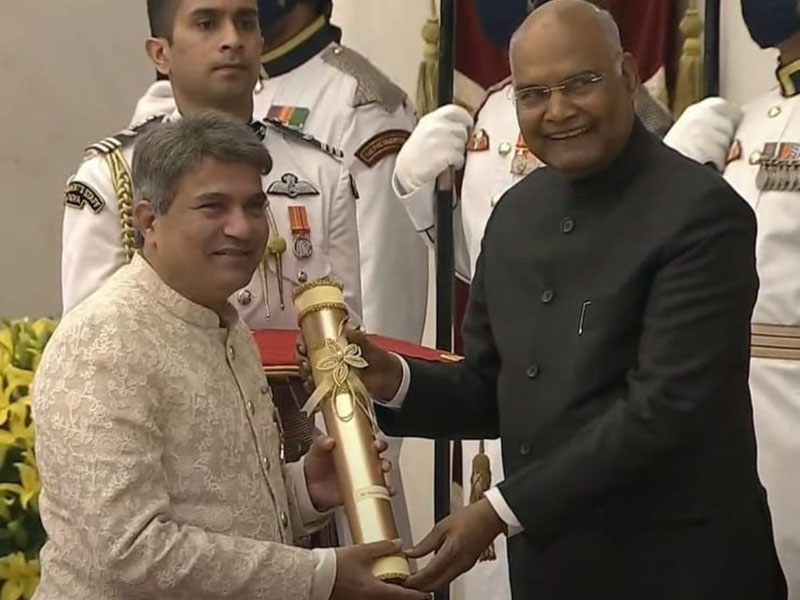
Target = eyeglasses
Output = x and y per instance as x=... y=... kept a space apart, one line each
x=537 y=96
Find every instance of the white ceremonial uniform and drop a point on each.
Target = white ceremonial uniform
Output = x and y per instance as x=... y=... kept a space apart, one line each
x=353 y=106
x=775 y=382
x=307 y=178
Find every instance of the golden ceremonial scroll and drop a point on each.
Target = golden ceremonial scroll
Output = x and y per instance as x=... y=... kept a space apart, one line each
x=346 y=408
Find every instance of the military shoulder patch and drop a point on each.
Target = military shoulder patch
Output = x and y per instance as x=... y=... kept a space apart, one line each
x=124 y=137
x=373 y=86
x=382 y=145
x=78 y=195
x=292 y=186
x=306 y=138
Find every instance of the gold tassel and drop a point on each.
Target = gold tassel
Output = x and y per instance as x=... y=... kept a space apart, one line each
x=480 y=481
x=689 y=86
x=427 y=80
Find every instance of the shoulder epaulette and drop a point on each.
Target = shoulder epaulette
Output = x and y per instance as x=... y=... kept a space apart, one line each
x=124 y=137
x=492 y=89
x=498 y=86
x=305 y=138
x=373 y=86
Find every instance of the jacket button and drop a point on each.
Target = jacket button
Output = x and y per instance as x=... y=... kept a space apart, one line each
x=524 y=448
x=265 y=461
x=231 y=353
x=244 y=297
x=532 y=372
x=567 y=224
x=547 y=296
x=284 y=520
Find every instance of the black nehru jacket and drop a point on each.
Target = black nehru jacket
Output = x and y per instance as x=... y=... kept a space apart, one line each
x=607 y=344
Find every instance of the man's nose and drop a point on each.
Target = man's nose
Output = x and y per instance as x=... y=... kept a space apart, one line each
x=231 y=36
x=238 y=224
x=559 y=107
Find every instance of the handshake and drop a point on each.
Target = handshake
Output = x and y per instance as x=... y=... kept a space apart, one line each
x=456 y=542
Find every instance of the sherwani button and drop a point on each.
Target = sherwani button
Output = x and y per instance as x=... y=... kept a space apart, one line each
x=532 y=372
x=547 y=296
x=524 y=448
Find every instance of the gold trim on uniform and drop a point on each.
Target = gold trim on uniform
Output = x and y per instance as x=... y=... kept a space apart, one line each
x=775 y=341
x=123 y=188
x=293 y=43
x=785 y=78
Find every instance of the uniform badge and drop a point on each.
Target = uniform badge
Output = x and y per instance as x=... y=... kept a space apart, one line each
x=524 y=161
x=478 y=141
x=734 y=152
x=301 y=232
x=291 y=116
x=79 y=194
x=290 y=185
x=382 y=145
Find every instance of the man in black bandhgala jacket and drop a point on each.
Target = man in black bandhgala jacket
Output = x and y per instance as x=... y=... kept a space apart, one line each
x=607 y=344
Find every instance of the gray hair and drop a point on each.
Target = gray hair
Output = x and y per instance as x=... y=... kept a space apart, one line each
x=171 y=150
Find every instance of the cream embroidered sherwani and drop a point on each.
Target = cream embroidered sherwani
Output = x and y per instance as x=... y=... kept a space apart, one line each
x=159 y=457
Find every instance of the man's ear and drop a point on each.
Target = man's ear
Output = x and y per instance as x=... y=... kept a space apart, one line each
x=144 y=219
x=158 y=52
x=630 y=72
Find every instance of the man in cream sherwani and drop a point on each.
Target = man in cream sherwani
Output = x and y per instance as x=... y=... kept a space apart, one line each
x=156 y=437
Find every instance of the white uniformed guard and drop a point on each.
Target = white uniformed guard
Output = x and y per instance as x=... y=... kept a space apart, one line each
x=311 y=210
x=758 y=146
x=312 y=83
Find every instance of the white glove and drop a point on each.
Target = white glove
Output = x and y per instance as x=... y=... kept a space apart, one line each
x=437 y=142
x=705 y=131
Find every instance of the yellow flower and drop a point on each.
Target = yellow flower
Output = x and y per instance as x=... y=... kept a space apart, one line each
x=21 y=577
x=29 y=487
x=5 y=341
x=43 y=328
x=18 y=427
x=18 y=381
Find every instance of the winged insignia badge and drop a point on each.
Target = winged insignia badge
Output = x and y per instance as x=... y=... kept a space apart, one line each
x=290 y=185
